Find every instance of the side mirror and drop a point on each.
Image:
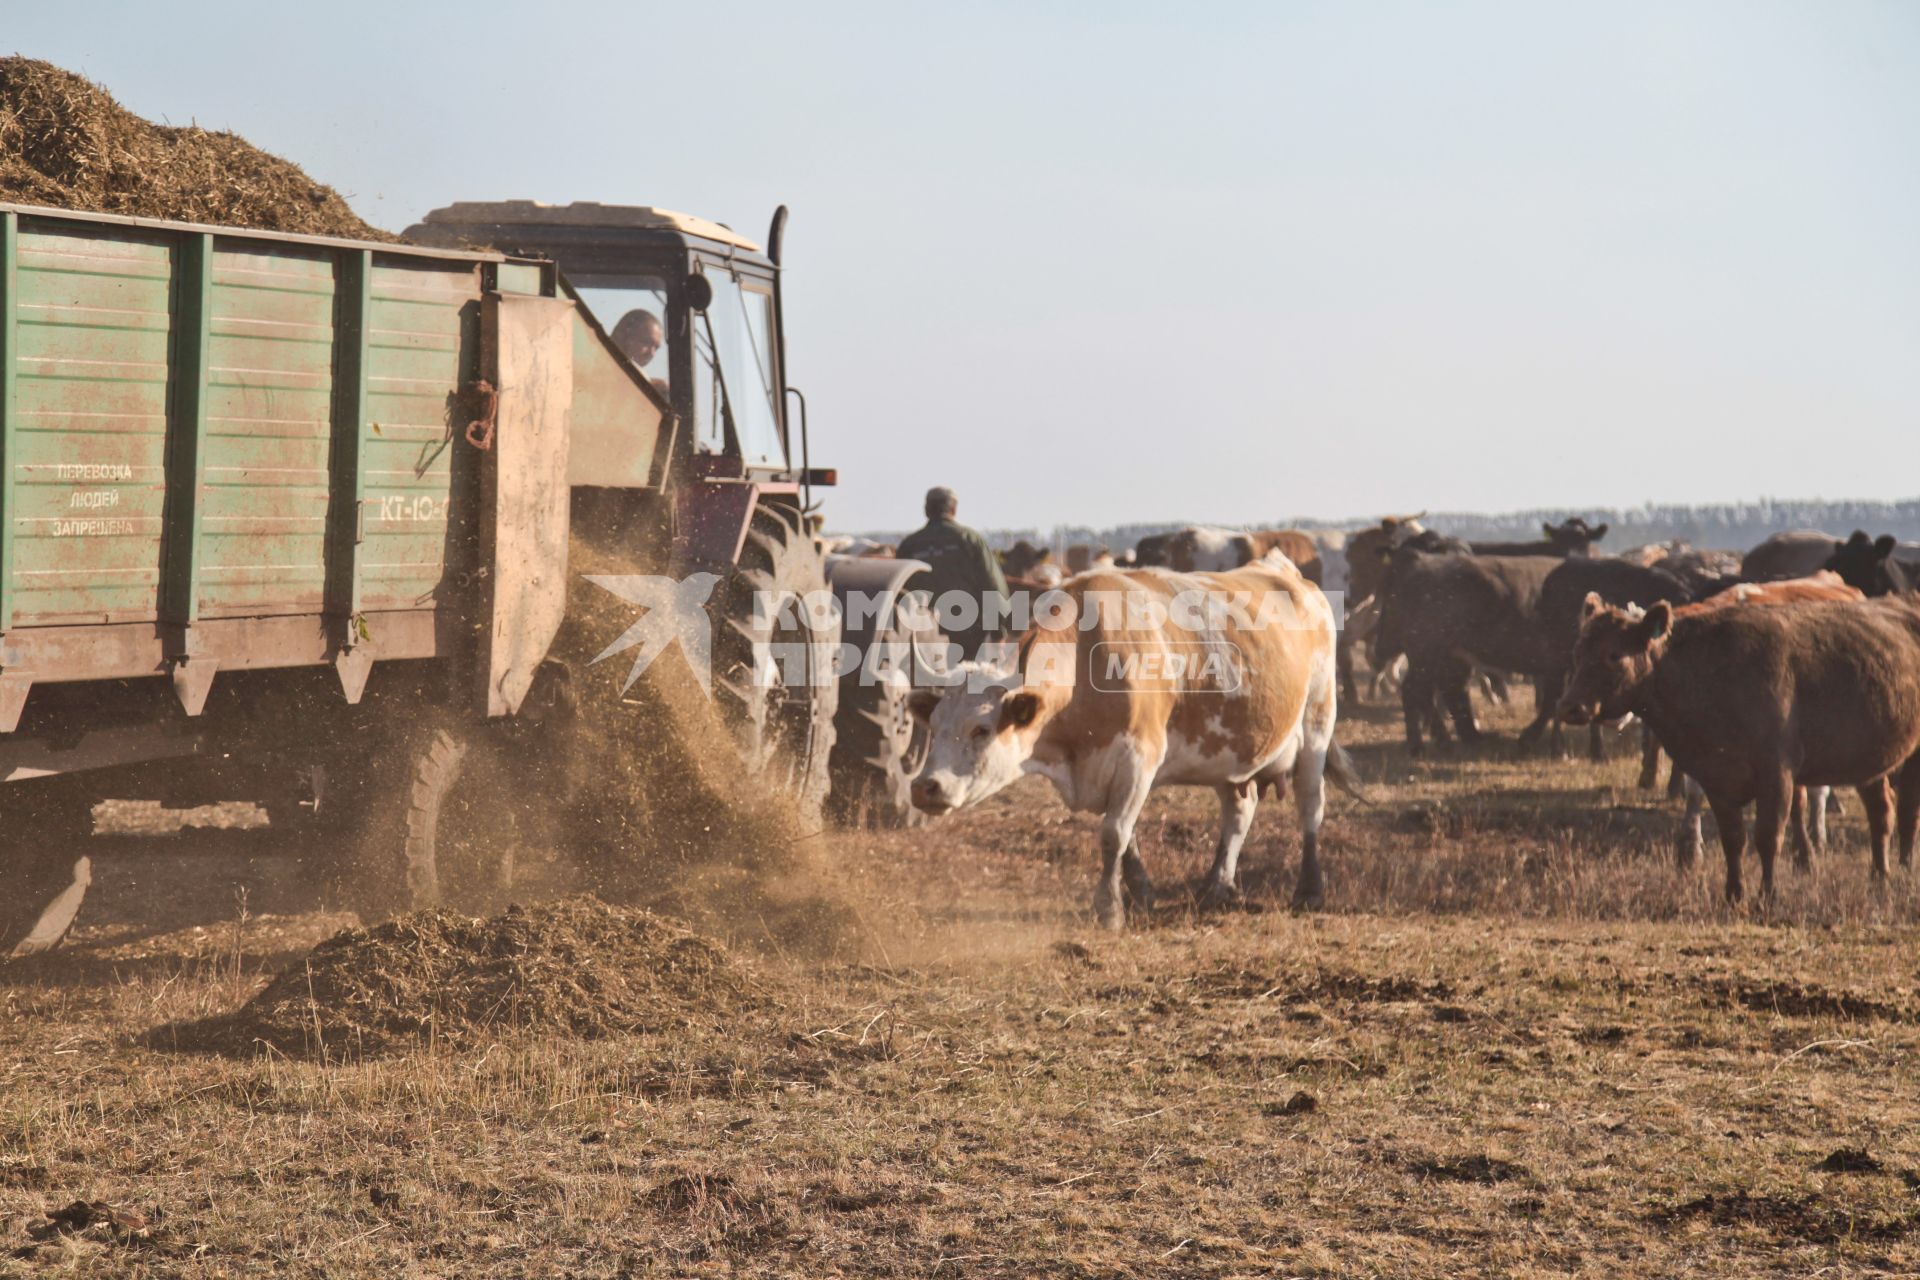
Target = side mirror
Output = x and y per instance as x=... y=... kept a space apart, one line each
x=699 y=291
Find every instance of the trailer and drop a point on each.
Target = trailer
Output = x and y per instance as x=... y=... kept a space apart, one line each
x=280 y=514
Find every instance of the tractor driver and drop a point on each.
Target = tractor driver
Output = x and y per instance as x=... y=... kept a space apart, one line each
x=639 y=336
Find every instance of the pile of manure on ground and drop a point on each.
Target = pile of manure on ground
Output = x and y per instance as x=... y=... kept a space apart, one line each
x=65 y=143
x=437 y=978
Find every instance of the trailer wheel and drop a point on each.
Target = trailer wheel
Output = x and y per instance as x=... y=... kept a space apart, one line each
x=457 y=852
x=44 y=867
x=781 y=710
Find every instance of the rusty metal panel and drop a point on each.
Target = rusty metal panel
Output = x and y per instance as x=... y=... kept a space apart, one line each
x=423 y=330
x=527 y=345
x=128 y=650
x=269 y=401
x=88 y=427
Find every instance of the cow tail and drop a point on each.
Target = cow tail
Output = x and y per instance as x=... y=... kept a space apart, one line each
x=1340 y=768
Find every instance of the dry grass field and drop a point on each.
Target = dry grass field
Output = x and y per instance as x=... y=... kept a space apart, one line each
x=1518 y=1043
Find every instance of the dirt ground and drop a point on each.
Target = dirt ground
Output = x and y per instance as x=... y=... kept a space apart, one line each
x=1518 y=1042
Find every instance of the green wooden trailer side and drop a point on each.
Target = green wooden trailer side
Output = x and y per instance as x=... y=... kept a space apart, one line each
x=228 y=450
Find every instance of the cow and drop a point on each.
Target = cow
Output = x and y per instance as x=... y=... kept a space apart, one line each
x=1387 y=657
x=1042 y=577
x=1873 y=565
x=1557 y=623
x=1751 y=701
x=1704 y=571
x=1200 y=549
x=1096 y=706
x=1330 y=549
x=1151 y=550
x=1571 y=537
x=1368 y=551
x=1651 y=553
x=1788 y=555
x=1022 y=558
x=1081 y=557
x=1809 y=803
x=1445 y=610
x=1366 y=563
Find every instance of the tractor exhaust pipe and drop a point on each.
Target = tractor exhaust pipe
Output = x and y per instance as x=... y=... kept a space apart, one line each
x=775 y=234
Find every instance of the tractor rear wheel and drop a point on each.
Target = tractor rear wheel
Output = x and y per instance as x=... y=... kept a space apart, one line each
x=776 y=637
x=44 y=866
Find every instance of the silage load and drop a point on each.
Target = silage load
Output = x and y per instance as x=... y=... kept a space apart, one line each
x=438 y=978
x=65 y=143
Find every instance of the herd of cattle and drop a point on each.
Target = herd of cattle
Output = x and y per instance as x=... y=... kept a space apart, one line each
x=1767 y=677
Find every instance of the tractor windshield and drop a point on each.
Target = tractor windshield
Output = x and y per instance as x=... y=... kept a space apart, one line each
x=734 y=378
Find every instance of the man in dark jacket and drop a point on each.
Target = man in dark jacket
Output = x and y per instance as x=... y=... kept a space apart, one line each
x=963 y=577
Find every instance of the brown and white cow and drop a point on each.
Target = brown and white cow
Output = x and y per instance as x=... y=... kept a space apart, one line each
x=1751 y=701
x=1108 y=705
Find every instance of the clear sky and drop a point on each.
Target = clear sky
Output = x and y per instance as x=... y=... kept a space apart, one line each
x=1113 y=262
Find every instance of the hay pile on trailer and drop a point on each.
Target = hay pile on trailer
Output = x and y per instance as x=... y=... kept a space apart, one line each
x=65 y=142
x=579 y=967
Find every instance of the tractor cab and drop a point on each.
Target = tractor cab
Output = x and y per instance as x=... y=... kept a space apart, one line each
x=680 y=358
x=693 y=307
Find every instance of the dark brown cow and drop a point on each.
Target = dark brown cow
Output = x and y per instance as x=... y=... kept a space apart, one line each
x=1788 y=555
x=1562 y=598
x=1443 y=609
x=1022 y=558
x=1571 y=537
x=1151 y=551
x=1750 y=700
x=1808 y=819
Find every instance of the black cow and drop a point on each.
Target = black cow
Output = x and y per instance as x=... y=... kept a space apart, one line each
x=1872 y=565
